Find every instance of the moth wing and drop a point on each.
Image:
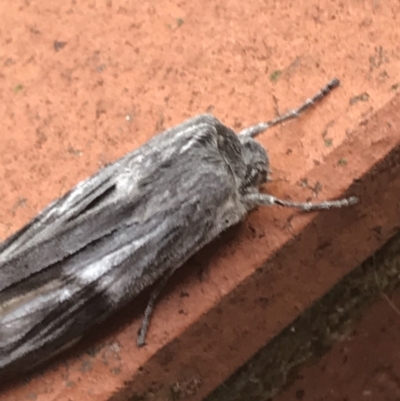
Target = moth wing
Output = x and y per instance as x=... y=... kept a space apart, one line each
x=96 y=205
x=145 y=213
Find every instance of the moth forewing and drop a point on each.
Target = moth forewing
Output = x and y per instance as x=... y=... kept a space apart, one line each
x=110 y=239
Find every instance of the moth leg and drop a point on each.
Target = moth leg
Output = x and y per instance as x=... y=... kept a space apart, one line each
x=257 y=129
x=256 y=199
x=141 y=339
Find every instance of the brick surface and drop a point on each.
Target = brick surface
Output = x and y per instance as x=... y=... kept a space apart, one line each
x=353 y=369
x=84 y=84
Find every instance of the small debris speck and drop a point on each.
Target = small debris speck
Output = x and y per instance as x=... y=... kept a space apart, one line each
x=59 y=45
x=275 y=75
x=74 y=152
x=363 y=97
x=18 y=88
x=115 y=371
x=86 y=366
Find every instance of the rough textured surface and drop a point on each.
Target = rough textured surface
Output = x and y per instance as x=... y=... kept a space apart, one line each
x=82 y=84
x=362 y=365
x=362 y=341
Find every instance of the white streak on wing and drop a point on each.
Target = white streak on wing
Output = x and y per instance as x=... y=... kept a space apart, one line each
x=115 y=288
x=20 y=307
x=75 y=194
x=101 y=269
x=168 y=148
x=65 y=294
x=128 y=180
x=139 y=165
x=137 y=168
x=196 y=136
x=129 y=177
x=170 y=145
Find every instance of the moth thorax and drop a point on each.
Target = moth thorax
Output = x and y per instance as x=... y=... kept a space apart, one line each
x=256 y=160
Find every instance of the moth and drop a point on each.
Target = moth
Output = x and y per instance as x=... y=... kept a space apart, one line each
x=127 y=227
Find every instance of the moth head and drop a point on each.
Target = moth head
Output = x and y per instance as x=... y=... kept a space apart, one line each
x=256 y=160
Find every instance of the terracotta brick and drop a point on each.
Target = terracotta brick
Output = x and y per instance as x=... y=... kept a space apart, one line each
x=85 y=83
x=363 y=362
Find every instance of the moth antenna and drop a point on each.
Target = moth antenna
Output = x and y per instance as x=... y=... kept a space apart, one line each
x=258 y=129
